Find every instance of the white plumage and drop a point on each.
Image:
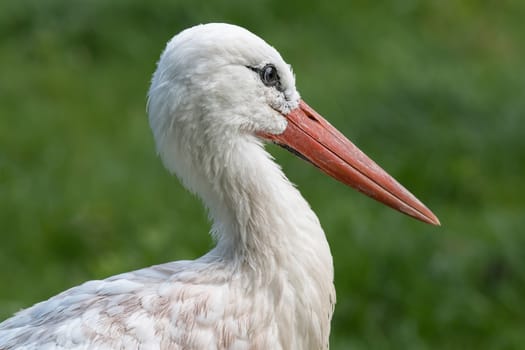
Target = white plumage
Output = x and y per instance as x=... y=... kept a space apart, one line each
x=217 y=93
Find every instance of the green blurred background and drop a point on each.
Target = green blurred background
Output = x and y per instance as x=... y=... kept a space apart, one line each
x=434 y=91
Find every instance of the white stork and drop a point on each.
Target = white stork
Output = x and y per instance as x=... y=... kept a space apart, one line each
x=218 y=93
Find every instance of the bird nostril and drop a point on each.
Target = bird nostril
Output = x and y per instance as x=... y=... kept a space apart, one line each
x=311 y=117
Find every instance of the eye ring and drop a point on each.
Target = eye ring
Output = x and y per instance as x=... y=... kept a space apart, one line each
x=269 y=75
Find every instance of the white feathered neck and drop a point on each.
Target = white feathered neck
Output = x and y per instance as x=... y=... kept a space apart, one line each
x=205 y=108
x=205 y=111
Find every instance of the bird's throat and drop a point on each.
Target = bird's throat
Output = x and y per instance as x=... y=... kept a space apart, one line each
x=259 y=217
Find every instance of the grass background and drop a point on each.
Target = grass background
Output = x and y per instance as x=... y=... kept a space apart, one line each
x=434 y=91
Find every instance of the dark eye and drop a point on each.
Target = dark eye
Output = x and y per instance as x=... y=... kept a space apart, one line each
x=269 y=75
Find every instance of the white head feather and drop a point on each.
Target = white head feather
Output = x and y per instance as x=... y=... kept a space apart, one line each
x=206 y=105
x=204 y=89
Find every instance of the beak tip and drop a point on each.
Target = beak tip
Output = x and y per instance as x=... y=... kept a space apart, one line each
x=436 y=221
x=419 y=211
x=432 y=219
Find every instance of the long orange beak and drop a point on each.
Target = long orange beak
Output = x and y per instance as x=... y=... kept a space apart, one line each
x=312 y=137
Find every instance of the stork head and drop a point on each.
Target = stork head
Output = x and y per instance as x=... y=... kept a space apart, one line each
x=218 y=84
x=223 y=80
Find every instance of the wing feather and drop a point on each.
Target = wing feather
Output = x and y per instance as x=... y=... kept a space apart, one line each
x=168 y=306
